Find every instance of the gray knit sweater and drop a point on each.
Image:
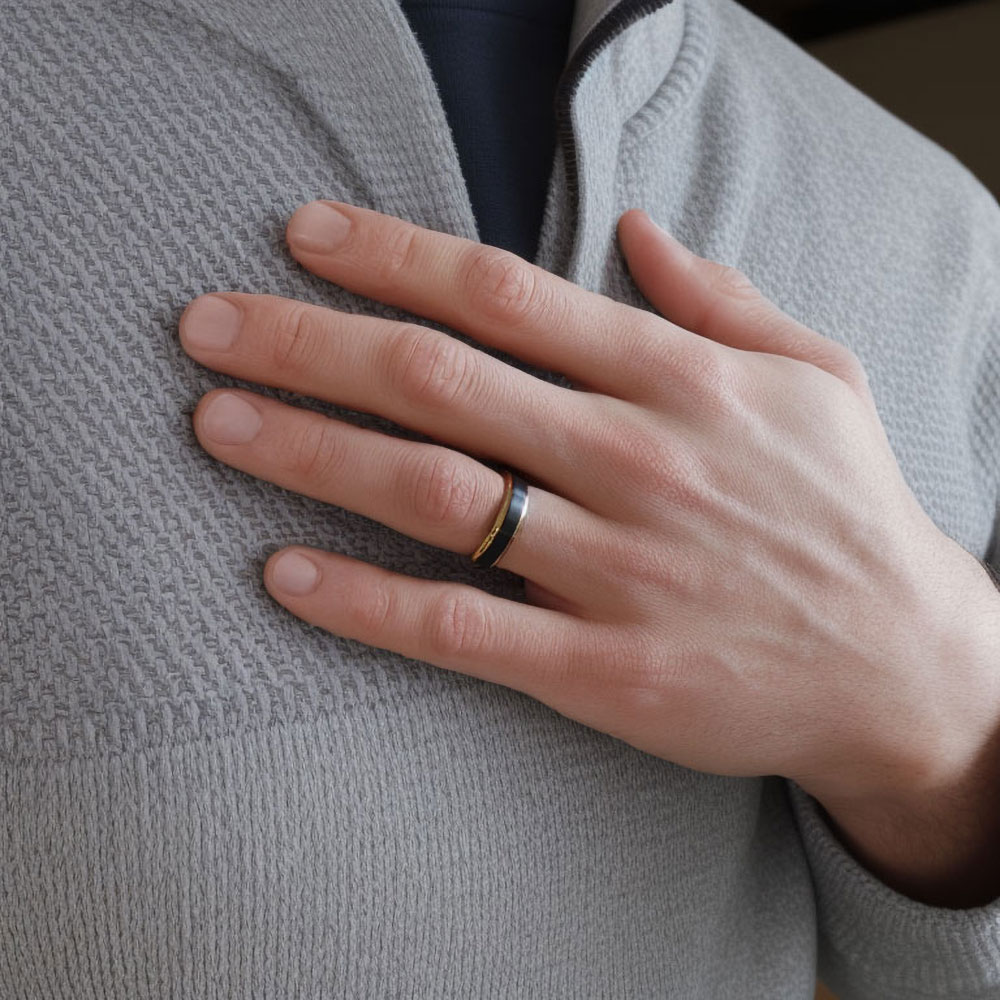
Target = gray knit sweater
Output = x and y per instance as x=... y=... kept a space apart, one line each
x=203 y=796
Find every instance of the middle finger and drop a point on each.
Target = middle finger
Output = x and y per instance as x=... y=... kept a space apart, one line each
x=418 y=377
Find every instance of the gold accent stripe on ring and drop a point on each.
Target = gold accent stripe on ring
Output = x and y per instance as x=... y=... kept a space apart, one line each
x=508 y=482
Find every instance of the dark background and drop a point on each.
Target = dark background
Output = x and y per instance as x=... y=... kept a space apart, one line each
x=805 y=20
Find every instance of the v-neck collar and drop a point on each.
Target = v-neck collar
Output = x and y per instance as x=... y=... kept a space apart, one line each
x=360 y=68
x=642 y=60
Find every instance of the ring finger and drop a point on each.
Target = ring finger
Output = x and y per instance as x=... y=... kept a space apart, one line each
x=427 y=491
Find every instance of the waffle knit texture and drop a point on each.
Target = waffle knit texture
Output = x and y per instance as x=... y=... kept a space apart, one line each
x=203 y=796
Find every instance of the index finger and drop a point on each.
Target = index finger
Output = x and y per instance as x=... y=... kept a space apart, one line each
x=489 y=293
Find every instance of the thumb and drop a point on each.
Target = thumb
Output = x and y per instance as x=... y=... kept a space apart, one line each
x=720 y=302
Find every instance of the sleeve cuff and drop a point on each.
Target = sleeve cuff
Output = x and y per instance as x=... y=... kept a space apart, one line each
x=875 y=942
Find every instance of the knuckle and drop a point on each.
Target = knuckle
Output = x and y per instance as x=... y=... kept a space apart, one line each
x=502 y=285
x=317 y=451
x=641 y=342
x=392 y=254
x=728 y=288
x=297 y=344
x=458 y=624
x=442 y=489
x=678 y=572
x=640 y=676
x=647 y=567
x=707 y=370
x=369 y=606
x=654 y=463
x=669 y=369
x=646 y=339
x=432 y=369
x=639 y=564
x=730 y=281
x=707 y=363
x=851 y=369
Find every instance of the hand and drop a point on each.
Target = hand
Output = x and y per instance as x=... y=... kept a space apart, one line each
x=723 y=562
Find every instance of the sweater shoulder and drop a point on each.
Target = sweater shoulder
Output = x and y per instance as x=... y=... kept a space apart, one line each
x=857 y=144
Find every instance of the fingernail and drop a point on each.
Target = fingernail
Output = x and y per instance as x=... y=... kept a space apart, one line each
x=230 y=419
x=317 y=228
x=210 y=324
x=295 y=574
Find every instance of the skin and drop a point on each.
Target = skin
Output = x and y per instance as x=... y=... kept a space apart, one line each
x=723 y=563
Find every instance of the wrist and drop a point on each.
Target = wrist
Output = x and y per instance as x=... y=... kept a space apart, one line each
x=947 y=695
x=937 y=846
x=926 y=820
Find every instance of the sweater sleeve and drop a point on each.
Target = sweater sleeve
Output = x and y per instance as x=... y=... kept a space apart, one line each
x=877 y=944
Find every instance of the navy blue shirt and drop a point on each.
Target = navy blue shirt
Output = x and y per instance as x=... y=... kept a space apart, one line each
x=496 y=64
